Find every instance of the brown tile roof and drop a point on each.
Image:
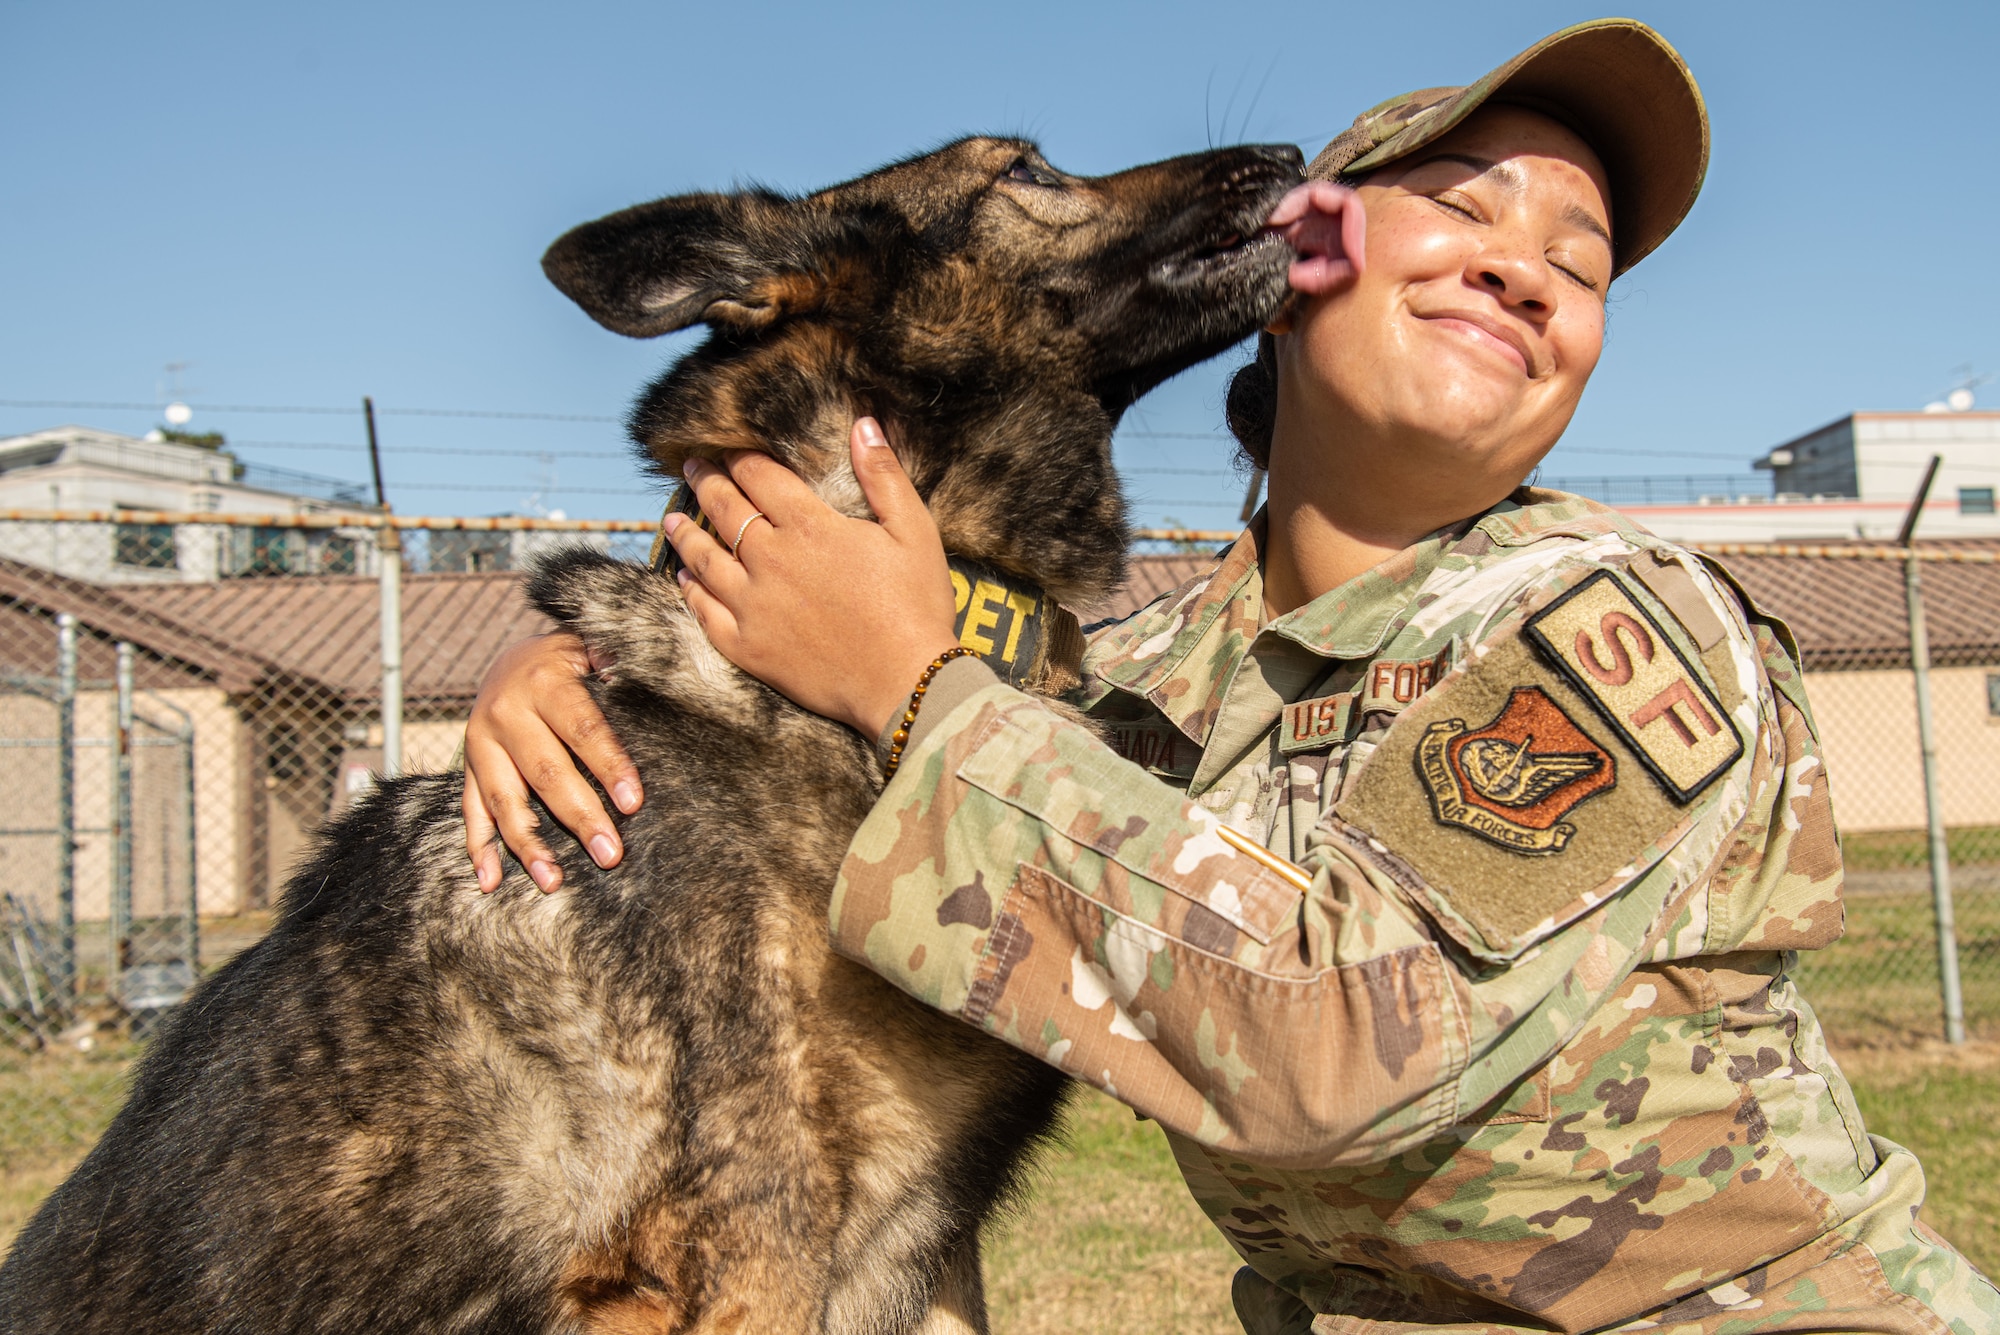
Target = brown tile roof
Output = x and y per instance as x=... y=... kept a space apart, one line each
x=1147 y=576
x=323 y=631
x=1850 y=614
x=328 y=627
x=308 y=632
x=31 y=597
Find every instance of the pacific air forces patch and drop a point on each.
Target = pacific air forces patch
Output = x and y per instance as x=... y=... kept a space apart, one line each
x=1513 y=780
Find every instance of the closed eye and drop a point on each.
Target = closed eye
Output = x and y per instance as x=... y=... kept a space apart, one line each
x=1464 y=210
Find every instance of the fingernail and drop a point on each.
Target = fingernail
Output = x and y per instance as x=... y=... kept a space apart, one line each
x=545 y=876
x=603 y=850
x=681 y=577
x=687 y=468
x=487 y=875
x=672 y=522
x=626 y=794
x=871 y=433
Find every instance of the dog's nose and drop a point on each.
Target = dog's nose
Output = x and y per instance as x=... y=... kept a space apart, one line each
x=1285 y=154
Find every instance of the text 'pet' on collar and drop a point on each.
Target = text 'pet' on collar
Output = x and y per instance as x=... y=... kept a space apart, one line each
x=1000 y=617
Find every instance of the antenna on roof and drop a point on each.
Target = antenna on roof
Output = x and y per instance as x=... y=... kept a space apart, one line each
x=177 y=413
x=1959 y=398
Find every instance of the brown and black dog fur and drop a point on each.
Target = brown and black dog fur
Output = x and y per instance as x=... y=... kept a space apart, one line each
x=656 y=1101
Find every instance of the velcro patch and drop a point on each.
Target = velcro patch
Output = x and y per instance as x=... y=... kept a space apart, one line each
x=1157 y=746
x=1505 y=806
x=1391 y=685
x=1000 y=618
x=1313 y=725
x=1619 y=657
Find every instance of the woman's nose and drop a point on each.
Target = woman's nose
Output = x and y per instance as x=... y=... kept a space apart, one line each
x=1518 y=280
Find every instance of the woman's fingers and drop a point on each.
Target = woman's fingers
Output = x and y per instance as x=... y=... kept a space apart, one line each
x=581 y=726
x=887 y=486
x=717 y=621
x=710 y=561
x=532 y=712
x=479 y=835
x=504 y=791
x=732 y=513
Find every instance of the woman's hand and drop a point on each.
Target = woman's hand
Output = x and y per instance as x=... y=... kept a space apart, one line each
x=531 y=714
x=841 y=615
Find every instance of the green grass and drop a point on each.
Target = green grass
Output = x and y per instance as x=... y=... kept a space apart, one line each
x=1899 y=850
x=53 y=1107
x=1110 y=1239
x=1878 y=984
x=1943 y=1104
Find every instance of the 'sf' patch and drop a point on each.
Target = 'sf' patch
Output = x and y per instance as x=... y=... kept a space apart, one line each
x=1617 y=655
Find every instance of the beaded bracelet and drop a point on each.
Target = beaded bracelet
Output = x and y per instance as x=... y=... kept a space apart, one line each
x=901 y=737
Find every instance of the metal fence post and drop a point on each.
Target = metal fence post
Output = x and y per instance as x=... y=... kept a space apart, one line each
x=389 y=543
x=1947 y=931
x=66 y=985
x=121 y=829
x=191 y=941
x=1952 y=996
x=392 y=654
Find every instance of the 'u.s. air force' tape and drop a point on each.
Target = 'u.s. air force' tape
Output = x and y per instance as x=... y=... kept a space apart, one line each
x=1000 y=617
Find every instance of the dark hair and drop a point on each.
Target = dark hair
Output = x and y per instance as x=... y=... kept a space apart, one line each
x=1251 y=407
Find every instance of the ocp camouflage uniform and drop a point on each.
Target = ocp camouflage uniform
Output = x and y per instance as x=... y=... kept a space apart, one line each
x=1501 y=1033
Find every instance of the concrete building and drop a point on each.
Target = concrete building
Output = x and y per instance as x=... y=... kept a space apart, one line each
x=80 y=468
x=1851 y=480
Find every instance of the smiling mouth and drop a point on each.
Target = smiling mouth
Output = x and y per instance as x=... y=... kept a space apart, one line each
x=1477 y=334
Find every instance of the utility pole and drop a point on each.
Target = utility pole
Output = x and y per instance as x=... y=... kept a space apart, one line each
x=1920 y=667
x=389 y=547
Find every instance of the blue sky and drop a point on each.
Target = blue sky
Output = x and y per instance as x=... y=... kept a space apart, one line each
x=315 y=203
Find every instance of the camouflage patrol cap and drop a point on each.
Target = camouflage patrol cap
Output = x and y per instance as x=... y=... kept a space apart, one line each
x=1615 y=82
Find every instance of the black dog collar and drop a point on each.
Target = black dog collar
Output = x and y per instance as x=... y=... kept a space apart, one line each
x=1001 y=617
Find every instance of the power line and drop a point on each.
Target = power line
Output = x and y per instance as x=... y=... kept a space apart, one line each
x=278 y=409
x=396 y=450
x=476 y=486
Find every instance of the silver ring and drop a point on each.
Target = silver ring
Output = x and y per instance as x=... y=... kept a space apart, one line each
x=755 y=515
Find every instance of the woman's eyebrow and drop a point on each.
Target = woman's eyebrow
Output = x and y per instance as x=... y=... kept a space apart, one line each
x=1576 y=215
x=1480 y=165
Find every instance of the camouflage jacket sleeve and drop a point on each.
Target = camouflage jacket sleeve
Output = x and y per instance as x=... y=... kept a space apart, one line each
x=1522 y=837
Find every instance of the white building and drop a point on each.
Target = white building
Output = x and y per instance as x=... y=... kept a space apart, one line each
x=1854 y=479
x=78 y=468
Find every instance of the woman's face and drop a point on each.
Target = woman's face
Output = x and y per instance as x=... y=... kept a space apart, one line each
x=1480 y=312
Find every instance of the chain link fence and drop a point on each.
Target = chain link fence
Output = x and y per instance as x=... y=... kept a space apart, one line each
x=1908 y=709
x=185 y=699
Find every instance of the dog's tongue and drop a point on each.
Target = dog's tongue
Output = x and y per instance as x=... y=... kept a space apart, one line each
x=1326 y=225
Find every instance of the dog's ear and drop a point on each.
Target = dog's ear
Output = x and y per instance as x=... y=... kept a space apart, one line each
x=663 y=266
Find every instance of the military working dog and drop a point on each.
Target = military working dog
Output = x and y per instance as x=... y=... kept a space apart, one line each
x=656 y=1101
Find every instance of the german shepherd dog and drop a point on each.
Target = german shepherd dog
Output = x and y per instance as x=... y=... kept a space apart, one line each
x=656 y=1101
